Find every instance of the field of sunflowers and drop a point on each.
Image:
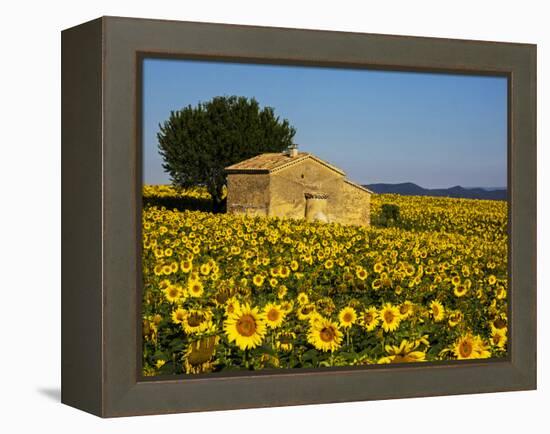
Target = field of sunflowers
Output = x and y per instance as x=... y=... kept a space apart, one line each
x=227 y=292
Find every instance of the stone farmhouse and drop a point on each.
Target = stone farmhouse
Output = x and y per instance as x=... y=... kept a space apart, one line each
x=298 y=185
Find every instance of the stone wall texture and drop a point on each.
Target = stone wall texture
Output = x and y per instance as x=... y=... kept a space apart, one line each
x=356 y=206
x=289 y=186
x=248 y=194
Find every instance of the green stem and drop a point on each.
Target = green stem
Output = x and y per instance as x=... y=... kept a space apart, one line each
x=247 y=359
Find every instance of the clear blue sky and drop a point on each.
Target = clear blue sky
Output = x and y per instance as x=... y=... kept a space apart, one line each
x=437 y=130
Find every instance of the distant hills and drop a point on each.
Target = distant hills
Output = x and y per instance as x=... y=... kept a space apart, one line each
x=411 y=189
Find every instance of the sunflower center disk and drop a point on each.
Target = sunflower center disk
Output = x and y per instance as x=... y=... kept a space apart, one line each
x=246 y=326
x=466 y=349
x=500 y=324
x=195 y=319
x=273 y=315
x=327 y=334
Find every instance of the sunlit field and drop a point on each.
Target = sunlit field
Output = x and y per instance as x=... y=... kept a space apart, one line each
x=227 y=292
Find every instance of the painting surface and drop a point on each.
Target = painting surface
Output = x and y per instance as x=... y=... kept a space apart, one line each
x=302 y=217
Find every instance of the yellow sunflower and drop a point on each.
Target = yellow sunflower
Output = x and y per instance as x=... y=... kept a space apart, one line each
x=195 y=288
x=499 y=337
x=281 y=291
x=325 y=335
x=325 y=305
x=305 y=311
x=197 y=321
x=274 y=315
x=172 y=293
x=231 y=305
x=455 y=318
x=409 y=270
x=302 y=298
x=329 y=263
x=221 y=296
x=369 y=319
x=347 y=317
x=258 y=280
x=285 y=341
x=287 y=306
x=150 y=330
x=389 y=315
x=406 y=309
x=470 y=347
x=246 y=327
x=460 y=290
x=164 y=283
x=284 y=271
x=186 y=266
x=205 y=269
x=437 y=310
x=500 y=292
x=361 y=273
x=314 y=318
x=500 y=323
x=178 y=315
x=464 y=347
x=404 y=353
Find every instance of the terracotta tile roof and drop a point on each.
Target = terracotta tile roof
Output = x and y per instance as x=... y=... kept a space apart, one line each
x=272 y=162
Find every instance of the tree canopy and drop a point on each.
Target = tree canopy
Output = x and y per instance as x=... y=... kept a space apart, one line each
x=197 y=143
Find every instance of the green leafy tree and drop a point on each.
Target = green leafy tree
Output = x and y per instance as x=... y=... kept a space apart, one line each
x=197 y=143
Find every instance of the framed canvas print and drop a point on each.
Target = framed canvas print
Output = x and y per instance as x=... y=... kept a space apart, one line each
x=259 y=216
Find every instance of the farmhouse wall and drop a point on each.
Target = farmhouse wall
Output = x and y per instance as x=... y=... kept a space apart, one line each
x=355 y=209
x=248 y=194
x=289 y=186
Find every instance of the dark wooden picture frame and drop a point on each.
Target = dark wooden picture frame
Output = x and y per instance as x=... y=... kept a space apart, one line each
x=101 y=206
